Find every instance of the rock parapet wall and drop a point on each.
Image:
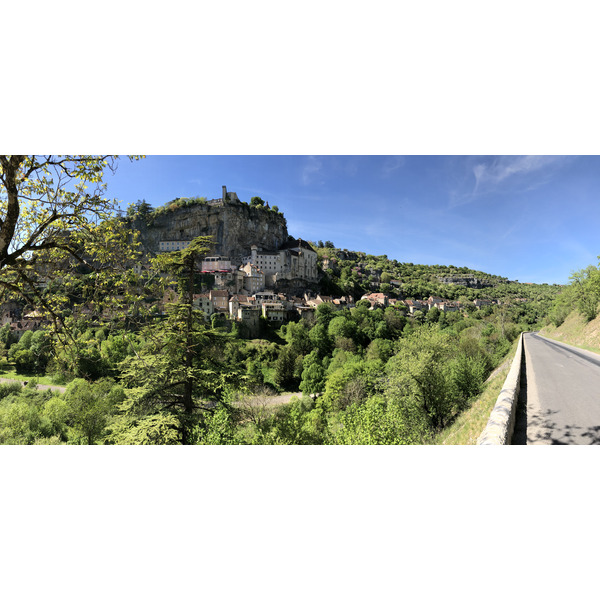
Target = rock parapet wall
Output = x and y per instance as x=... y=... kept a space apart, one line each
x=501 y=424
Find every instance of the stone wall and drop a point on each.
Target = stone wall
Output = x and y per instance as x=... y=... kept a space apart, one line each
x=501 y=423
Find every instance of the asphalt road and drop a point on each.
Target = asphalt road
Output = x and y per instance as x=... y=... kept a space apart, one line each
x=560 y=399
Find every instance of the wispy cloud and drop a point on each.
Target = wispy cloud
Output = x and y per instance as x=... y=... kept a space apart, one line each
x=486 y=175
x=311 y=171
x=347 y=166
x=392 y=164
x=509 y=231
x=490 y=175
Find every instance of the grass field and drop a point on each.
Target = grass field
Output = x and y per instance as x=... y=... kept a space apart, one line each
x=9 y=372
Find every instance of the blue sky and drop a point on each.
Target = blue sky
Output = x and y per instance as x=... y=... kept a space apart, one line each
x=530 y=218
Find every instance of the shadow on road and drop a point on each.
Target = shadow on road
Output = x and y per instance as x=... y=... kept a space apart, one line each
x=544 y=430
x=541 y=428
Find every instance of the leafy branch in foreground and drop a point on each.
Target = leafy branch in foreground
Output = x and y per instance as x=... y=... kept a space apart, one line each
x=53 y=216
x=61 y=243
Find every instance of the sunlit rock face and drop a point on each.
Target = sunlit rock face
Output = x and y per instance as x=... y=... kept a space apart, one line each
x=466 y=281
x=233 y=226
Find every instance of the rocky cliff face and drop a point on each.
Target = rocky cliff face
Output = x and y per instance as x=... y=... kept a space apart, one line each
x=466 y=281
x=234 y=227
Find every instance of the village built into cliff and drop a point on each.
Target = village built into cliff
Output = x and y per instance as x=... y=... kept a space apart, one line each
x=255 y=269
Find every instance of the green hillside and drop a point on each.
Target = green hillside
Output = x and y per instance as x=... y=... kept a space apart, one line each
x=356 y=273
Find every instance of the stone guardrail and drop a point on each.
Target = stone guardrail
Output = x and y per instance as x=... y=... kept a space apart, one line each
x=501 y=424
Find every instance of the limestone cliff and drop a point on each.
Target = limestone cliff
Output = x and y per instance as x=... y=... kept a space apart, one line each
x=466 y=281
x=233 y=225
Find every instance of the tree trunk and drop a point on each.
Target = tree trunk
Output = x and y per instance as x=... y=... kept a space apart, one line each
x=188 y=394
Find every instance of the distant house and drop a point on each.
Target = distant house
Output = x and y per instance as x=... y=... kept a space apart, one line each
x=235 y=302
x=219 y=299
x=10 y=311
x=234 y=305
x=324 y=299
x=311 y=302
x=267 y=262
x=293 y=260
x=227 y=279
x=274 y=311
x=18 y=328
x=34 y=314
x=216 y=264
x=480 y=303
x=250 y=316
x=433 y=300
x=299 y=260
x=447 y=306
x=254 y=278
x=318 y=300
x=266 y=296
x=415 y=305
x=204 y=303
x=376 y=299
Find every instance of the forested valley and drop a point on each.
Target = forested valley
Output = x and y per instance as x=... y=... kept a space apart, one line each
x=127 y=357
x=363 y=375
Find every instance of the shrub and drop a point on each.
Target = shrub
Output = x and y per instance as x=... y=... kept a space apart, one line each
x=6 y=389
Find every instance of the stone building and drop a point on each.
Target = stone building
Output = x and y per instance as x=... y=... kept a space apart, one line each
x=220 y=300
x=376 y=299
x=254 y=278
x=204 y=303
x=250 y=316
x=216 y=264
x=293 y=260
x=10 y=311
x=266 y=296
x=274 y=311
x=268 y=262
